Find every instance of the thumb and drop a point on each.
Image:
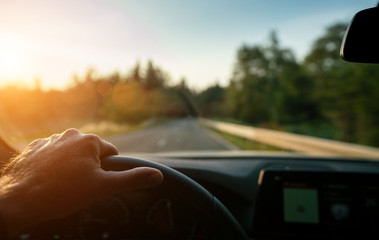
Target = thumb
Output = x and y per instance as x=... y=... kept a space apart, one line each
x=134 y=179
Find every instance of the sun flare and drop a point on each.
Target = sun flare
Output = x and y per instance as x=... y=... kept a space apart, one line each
x=11 y=59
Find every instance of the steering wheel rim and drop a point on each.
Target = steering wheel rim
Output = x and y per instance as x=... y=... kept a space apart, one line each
x=221 y=225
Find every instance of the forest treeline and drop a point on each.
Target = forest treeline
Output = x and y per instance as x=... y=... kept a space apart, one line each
x=320 y=95
x=140 y=94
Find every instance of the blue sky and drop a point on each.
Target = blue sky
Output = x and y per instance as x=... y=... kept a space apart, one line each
x=195 y=39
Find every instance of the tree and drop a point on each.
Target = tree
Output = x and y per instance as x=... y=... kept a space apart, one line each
x=136 y=73
x=260 y=82
x=187 y=98
x=211 y=101
x=346 y=92
x=154 y=77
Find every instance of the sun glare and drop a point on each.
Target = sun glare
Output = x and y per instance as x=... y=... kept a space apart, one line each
x=11 y=59
x=11 y=62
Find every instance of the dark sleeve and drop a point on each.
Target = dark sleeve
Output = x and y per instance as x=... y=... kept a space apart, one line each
x=3 y=229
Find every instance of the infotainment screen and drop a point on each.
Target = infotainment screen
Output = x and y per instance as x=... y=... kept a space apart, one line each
x=316 y=205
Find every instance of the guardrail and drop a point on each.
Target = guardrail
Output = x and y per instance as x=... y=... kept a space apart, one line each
x=295 y=142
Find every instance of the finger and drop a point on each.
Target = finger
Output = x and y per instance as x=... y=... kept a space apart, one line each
x=54 y=136
x=103 y=148
x=133 y=179
x=37 y=143
x=69 y=133
x=107 y=149
x=90 y=143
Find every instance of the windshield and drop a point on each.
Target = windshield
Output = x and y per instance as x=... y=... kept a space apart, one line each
x=162 y=76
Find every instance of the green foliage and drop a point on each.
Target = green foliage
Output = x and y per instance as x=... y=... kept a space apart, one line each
x=211 y=101
x=321 y=96
x=187 y=98
x=154 y=77
x=347 y=93
x=267 y=84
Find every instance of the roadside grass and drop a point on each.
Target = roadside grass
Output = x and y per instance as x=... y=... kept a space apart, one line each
x=321 y=129
x=315 y=129
x=231 y=120
x=245 y=144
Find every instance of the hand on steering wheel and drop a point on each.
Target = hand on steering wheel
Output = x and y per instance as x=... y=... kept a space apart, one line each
x=59 y=175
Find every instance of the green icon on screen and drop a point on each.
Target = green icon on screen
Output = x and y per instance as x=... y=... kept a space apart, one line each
x=300 y=205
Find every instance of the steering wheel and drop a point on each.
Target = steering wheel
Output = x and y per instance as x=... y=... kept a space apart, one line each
x=218 y=222
x=179 y=208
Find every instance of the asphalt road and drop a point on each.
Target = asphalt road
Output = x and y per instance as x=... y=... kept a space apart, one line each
x=175 y=135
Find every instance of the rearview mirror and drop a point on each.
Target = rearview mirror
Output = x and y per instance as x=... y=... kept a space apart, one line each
x=361 y=40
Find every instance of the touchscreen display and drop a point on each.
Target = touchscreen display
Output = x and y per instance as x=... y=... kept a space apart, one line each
x=300 y=204
x=294 y=204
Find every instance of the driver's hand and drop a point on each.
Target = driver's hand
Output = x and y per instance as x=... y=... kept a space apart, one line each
x=59 y=175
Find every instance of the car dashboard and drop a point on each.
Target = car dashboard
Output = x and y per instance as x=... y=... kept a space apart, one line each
x=267 y=196
x=294 y=197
